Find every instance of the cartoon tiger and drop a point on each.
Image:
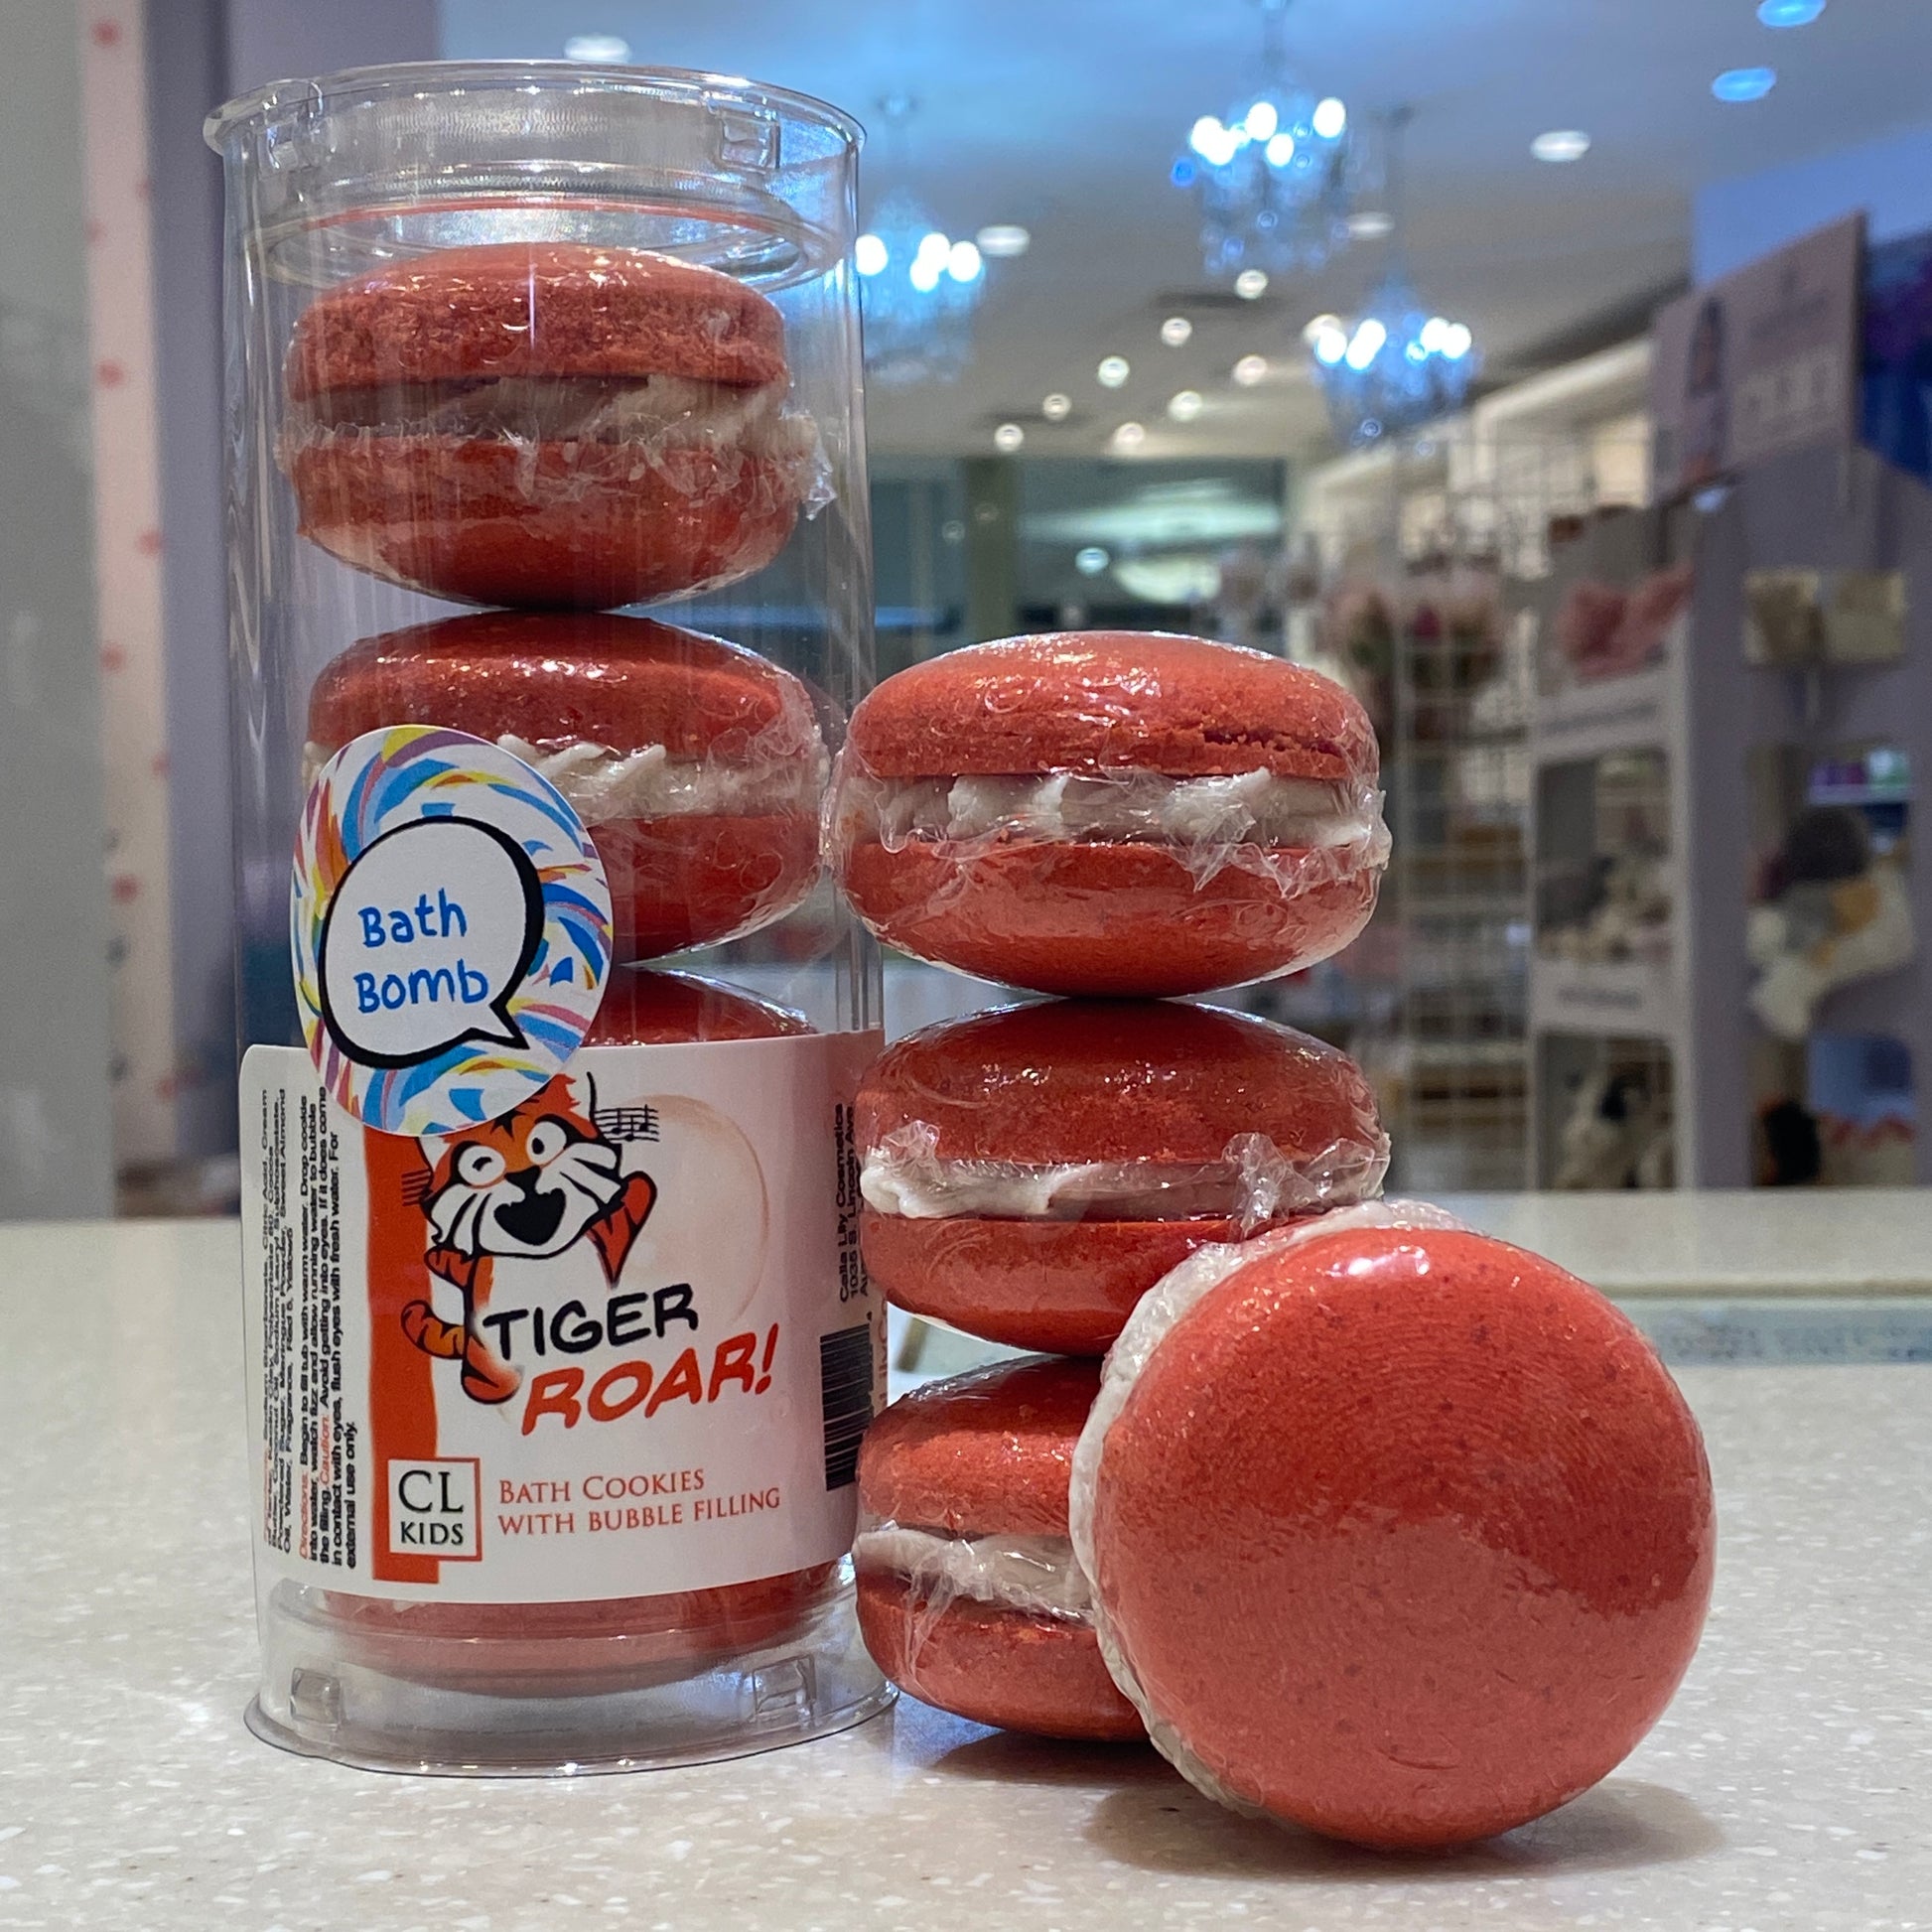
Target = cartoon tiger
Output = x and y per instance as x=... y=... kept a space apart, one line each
x=531 y=1183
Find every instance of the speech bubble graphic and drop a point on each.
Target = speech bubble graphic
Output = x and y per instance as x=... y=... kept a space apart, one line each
x=450 y=926
x=429 y=936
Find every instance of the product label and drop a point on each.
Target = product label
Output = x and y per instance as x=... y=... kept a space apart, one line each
x=450 y=923
x=616 y=1342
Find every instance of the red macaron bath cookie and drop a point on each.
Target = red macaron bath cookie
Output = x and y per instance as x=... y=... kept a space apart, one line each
x=1394 y=1531
x=697 y=766
x=1029 y=1173
x=547 y=424
x=1116 y=813
x=969 y=1596
x=605 y=1645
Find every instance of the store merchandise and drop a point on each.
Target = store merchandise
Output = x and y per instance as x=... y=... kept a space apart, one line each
x=1603 y=630
x=1029 y=1173
x=1110 y=813
x=1838 y=912
x=697 y=766
x=559 y=1346
x=968 y=1592
x=1800 y=619
x=547 y=423
x=1393 y=1531
x=1617 y=1131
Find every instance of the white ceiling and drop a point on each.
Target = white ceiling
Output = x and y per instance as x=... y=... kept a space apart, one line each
x=1064 y=115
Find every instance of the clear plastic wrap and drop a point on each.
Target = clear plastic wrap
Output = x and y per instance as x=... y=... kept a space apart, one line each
x=1465 y=1541
x=1147 y=1328
x=969 y=1595
x=1028 y=1173
x=594 y=1361
x=548 y=423
x=696 y=766
x=1252 y=1184
x=1110 y=813
x=1036 y=1575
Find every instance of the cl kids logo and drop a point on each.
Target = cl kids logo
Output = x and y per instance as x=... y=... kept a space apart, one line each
x=436 y=1509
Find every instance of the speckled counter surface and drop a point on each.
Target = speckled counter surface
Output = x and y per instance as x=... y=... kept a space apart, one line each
x=1790 y=1786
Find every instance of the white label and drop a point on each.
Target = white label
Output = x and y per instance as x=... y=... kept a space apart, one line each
x=614 y=1342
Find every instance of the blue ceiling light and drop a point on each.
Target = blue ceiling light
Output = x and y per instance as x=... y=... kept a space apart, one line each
x=917 y=291
x=1789 y=13
x=1744 y=83
x=1273 y=173
x=1396 y=366
x=917 y=285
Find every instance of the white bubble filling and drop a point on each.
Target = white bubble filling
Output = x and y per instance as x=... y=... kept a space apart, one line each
x=1251 y=1183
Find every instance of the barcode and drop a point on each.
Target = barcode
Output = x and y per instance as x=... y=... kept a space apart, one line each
x=845 y=1391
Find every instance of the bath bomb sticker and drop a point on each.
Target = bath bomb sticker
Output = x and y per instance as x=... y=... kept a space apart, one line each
x=450 y=928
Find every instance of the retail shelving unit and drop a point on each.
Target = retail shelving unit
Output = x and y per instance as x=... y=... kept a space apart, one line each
x=1823 y=510
x=1457 y=888
x=1450 y=533
x=1649 y=1067
x=1611 y=1067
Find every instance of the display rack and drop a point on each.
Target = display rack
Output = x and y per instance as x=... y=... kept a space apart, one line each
x=1611 y=1064
x=1448 y=536
x=1457 y=887
x=1649 y=1067
x=1828 y=509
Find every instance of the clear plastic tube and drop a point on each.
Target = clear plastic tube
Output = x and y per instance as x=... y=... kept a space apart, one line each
x=512 y=347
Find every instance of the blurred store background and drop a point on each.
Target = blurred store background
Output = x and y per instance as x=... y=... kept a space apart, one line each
x=1560 y=377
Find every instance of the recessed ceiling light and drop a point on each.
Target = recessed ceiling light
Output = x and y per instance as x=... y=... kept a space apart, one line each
x=1056 y=408
x=1175 y=330
x=1250 y=371
x=870 y=254
x=1744 y=83
x=1789 y=13
x=1317 y=325
x=605 y=49
x=1008 y=438
x=1251 y=284
x=1003 y=240
x=1113 y=371
x=1371 y=224
x=1091 y=561
x=1329 y=118
x=1561 y=144
x=1186 y=406
x=1128 y=436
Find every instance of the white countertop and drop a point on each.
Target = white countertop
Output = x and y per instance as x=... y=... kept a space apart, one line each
x=1787 y=1787
x=1783 y=1241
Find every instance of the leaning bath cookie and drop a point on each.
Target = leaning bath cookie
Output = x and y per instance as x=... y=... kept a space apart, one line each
x=1029 y=1173
x=547 y=424
x=697 y=766
x=1395 y=1531
x=1110 y=812
x=968 y=1592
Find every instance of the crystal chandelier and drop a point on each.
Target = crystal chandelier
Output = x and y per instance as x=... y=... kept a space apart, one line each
x=1272 y=175
x=918 y=287
x=1398 y=364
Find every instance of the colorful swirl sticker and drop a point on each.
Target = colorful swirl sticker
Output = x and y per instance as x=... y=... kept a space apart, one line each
x=451 y=929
